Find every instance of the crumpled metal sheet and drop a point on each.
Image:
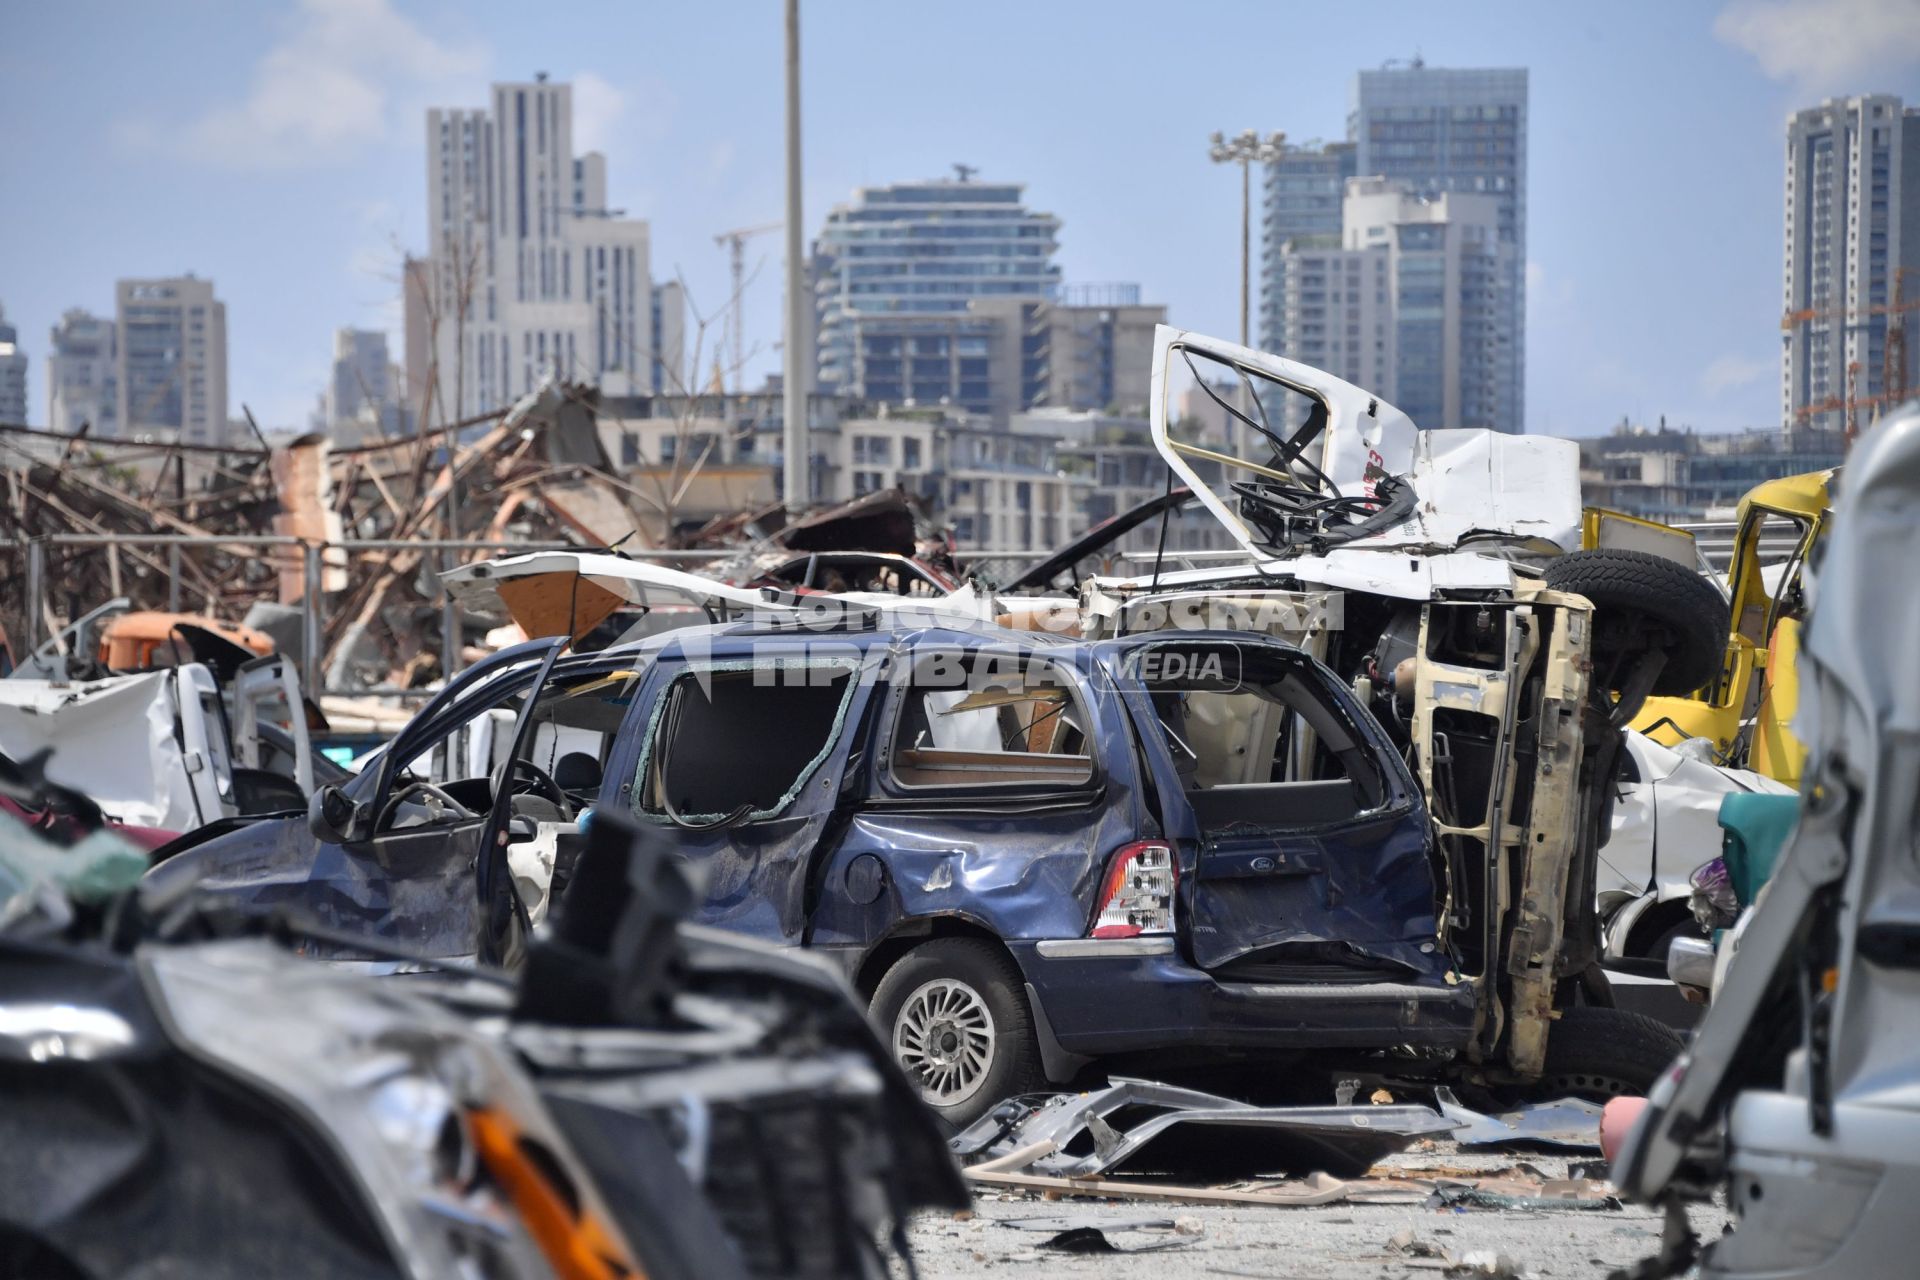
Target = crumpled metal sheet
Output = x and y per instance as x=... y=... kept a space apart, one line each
x=1571 y=1124
x=415 y=893
x=113 y=740
x=1672 y=810
x=1364 y=891
x=1140 y=1126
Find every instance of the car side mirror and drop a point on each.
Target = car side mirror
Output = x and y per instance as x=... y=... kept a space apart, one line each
x=331 y=816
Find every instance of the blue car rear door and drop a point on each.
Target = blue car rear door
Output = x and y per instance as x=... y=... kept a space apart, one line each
x=736 y=754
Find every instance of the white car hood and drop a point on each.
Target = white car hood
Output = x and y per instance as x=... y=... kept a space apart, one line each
x=1667 y=822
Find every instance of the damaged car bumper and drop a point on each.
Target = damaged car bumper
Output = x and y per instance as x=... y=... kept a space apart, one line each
x=1114 y=996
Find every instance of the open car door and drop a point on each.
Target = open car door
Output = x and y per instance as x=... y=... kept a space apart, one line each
x=266 y=692
x=741 y=759
x=503 y=915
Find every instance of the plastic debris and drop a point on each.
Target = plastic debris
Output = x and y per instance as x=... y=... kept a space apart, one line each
x=1487 y=1263
x=1183 y=1132
x=1555 y=1195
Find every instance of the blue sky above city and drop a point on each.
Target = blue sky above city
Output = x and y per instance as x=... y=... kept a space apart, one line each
x=279 y=150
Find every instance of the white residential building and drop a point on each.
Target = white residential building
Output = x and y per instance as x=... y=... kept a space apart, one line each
x=83 y=375
x=1115 y=467
x=1852 y=250
x=172 y=360
x=1005 y=490
x=897 y=452
x=671 y=376
x=1410 y=303
x=531 y=274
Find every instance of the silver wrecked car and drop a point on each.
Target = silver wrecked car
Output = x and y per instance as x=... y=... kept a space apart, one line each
x=1798 y=1095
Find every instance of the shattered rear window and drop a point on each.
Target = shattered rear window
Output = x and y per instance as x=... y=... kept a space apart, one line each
x=741 y=735
x=1257 y=739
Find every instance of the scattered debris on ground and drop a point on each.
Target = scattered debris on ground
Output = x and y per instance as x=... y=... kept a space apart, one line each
x=1248 y=1231
x=1139 y=1126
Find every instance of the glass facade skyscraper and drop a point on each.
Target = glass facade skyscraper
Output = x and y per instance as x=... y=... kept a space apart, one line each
x=13 y=376
x=1458 y=131
x=894 y=272
x=1300 y=198
x=1404 y=302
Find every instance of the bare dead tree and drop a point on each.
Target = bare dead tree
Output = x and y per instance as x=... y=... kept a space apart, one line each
x=698 y=415
x=446 y=283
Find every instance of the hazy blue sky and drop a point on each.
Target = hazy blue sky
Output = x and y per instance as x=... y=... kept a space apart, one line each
x=278 y=149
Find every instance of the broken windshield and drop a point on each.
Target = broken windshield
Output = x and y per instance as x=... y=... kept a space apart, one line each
x=1285 y=456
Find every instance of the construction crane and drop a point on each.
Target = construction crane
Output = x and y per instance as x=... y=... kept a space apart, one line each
x=1893 y=374
x=1893 y=360
x=735 y=242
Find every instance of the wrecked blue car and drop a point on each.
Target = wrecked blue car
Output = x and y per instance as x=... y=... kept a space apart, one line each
x=1028 y=852
x=1032 y=852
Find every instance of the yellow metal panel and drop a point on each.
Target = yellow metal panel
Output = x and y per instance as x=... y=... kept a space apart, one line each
x=1776 y=752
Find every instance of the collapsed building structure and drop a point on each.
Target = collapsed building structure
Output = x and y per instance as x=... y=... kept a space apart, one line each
x=334 y=552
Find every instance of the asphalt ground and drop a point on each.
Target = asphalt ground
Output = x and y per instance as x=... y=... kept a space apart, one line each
x=1007 y=1233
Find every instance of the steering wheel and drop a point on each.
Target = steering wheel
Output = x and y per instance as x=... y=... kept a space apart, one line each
x=399 y=797
x=543 y=783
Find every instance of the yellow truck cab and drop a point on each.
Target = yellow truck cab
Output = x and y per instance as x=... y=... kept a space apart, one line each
x=1746 y=711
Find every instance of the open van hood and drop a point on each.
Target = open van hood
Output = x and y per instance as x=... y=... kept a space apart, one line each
x=1465 y=484
x=553 y=593
x=569 y=593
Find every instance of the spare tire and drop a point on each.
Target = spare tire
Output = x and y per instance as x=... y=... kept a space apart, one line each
x=1598 y=1054
x=1644 y=604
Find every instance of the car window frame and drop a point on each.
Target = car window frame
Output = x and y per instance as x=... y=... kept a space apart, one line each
x=444 y=715
x=635 y=780
x=893 y=790
x=1400 y=792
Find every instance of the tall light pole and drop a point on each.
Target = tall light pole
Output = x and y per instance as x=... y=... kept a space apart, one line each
x=794 y=379
x=1246 y=150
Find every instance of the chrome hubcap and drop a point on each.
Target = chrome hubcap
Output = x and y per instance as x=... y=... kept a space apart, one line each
x=943 y=1036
